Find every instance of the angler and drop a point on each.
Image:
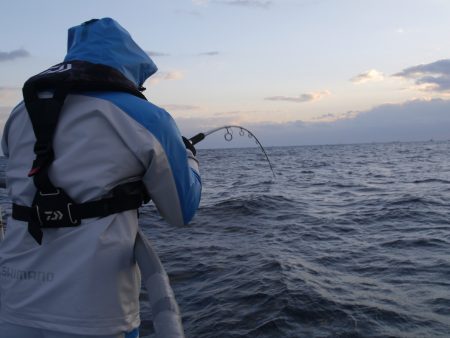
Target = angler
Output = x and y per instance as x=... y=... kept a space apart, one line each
x=85 y=150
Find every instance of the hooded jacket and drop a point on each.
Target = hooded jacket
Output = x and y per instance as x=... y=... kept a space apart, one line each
x=84 y=280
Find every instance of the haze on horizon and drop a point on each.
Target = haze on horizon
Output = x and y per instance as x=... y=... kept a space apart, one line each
x=292 y=71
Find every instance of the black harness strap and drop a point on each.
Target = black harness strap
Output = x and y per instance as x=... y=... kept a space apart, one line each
x=42 y=217
x=44 y=116
x=52 y=207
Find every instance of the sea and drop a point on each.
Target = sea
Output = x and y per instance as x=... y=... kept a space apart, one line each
x=343 y=241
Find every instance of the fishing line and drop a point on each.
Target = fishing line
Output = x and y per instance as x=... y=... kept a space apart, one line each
x=229 y=137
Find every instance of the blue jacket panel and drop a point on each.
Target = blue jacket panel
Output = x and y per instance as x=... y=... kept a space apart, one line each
x=161 y=125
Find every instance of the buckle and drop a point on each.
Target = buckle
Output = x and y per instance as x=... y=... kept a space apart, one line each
x=54 y=209
x=57 y=192
x=76 y=221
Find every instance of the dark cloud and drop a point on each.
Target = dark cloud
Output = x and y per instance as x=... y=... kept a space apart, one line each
x=307 y=97
x=156 y=54
x=438 y=83
x=211 y=53
x=246 y=3
x=411 y=121
x=325 y=117
x=300 y=98
x=435 y=75
x=15 y=54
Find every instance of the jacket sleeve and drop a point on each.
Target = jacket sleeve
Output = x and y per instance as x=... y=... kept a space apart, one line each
x=172 y=178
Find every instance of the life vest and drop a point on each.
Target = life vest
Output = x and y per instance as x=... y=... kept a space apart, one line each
x=52 y=207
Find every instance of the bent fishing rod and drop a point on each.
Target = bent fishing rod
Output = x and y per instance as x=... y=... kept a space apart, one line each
x=153 y=272
x=229 y=136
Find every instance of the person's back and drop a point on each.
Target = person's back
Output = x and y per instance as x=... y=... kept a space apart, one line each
x=83 y=279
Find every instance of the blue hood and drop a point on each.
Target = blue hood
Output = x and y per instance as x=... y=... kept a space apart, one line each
x=105 y=42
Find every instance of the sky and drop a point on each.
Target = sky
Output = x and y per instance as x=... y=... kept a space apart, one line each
x=294 y=72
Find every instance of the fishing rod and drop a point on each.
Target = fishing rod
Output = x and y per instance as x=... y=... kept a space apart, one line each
x=166 y=319
x=229 y=136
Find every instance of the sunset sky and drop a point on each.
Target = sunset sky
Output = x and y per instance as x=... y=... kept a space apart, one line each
x=293 y=71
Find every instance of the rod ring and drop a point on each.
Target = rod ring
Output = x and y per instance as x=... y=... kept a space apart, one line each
x=228 y=135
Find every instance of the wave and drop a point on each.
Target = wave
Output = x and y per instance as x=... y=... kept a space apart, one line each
x=431 y=180
x=252 y=204
x=416 y=243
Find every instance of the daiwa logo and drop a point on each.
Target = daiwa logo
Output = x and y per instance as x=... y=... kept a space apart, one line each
x=53 y=215
x=58 y=69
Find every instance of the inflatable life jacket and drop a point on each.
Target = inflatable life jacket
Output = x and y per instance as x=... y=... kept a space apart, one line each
x=52 y=207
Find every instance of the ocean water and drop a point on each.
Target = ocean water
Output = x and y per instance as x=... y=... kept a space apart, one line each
x=346 y=241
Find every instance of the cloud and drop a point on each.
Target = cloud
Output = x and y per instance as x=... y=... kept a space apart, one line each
x=211 y=53
x=308 y=97
x=156 y=54
x=417 y=120
x=171 y=107
x=433 y=76
x=370 y=75
x=326 y=117
x=15 y=54
x=410 y=121
x=165 y=76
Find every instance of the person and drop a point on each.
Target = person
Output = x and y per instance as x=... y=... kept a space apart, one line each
x=97 y=150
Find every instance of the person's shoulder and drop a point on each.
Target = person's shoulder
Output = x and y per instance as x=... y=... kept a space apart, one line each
x=129 y=102
x=141 y=110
